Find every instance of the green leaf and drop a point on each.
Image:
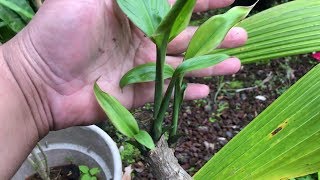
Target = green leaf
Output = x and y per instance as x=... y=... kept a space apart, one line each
x=86 y=177
x=145 y=139
x=144 y=73
x=21 y=7
x=200 y=62
x=211 y=33
x=94 y=171
x=6 y=33
x=281 y=143
x=288 y=29
x=145 y=14
x=11 y=19
x=93 y=178
x=175 y=21
x=120 y=117
x=84 y=169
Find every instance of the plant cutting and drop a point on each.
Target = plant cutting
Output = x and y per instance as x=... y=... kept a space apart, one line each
x=277 y=32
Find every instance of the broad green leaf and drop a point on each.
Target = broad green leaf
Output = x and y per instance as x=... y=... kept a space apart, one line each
x=93 y=178
x=145 y=139
x=145 y=14
x=288 y=29
x=176 y=20
x=22 y=7
x=211 y=33
x=200 y=62
x=144 y=73
x=84 y=169
x=11 y=19
x=281 y=143
x=120 y=117
x=94 y=171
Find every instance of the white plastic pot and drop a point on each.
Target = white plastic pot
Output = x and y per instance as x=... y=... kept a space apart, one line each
x=87 y=145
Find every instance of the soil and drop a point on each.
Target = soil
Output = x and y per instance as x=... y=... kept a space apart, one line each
x=67 y=172
x=208 y=124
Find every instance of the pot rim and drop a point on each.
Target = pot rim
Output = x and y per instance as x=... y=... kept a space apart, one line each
x=114 y=150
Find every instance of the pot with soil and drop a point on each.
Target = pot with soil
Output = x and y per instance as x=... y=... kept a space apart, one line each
x=67 y=149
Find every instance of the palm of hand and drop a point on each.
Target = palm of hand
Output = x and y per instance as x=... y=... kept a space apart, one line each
x=74 y=43
x=89 y=40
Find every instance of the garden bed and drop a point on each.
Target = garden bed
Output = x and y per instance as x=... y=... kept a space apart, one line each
x=207 y=126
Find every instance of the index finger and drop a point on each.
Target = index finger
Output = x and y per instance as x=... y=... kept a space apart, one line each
x=205 y=5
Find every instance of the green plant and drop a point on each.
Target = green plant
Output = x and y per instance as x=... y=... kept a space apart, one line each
x=87 y=173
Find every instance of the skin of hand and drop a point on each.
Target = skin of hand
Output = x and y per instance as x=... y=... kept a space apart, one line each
x=53 y=63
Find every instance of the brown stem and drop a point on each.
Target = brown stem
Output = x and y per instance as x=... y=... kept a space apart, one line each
x=164 y=164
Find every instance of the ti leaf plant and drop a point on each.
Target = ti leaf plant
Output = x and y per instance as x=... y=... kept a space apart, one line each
x=283 y=141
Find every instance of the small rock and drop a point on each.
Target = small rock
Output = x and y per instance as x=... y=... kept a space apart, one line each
x=209 y=146
x=203 y=128
x=207 y=108
x=261 y=98
x=243 y=96
x=223 y=141
x=229 y=134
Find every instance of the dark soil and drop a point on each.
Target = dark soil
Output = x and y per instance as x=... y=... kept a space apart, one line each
x=208 y=124
x=67 y=172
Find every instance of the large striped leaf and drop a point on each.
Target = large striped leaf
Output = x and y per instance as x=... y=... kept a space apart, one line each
x=11 y=19
x=22 y=7
x=288 y=29
x=281 y=143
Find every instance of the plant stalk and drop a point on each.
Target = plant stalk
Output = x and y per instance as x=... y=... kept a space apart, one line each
x=157 y=126
x=178 y=94
x=159 y=82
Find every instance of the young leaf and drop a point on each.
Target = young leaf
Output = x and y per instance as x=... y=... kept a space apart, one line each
x=94 y=171
x=120 y=117
x=84 y=169
x=200 y=62
x=211 y=33
x=176 y=20
x=144 y=73
x=86 y=177
x=281 y=143
x=21 y=7
x=145 y=14
x=145 y=139
x=288 y=29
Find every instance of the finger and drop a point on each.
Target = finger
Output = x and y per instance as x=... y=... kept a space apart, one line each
x=196 y=91
x=205 y=5
x=227 y=67
x=146 y=92
x=236 y=37
x=179 y=44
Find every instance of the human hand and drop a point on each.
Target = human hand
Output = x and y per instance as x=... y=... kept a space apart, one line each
x=70 y=44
